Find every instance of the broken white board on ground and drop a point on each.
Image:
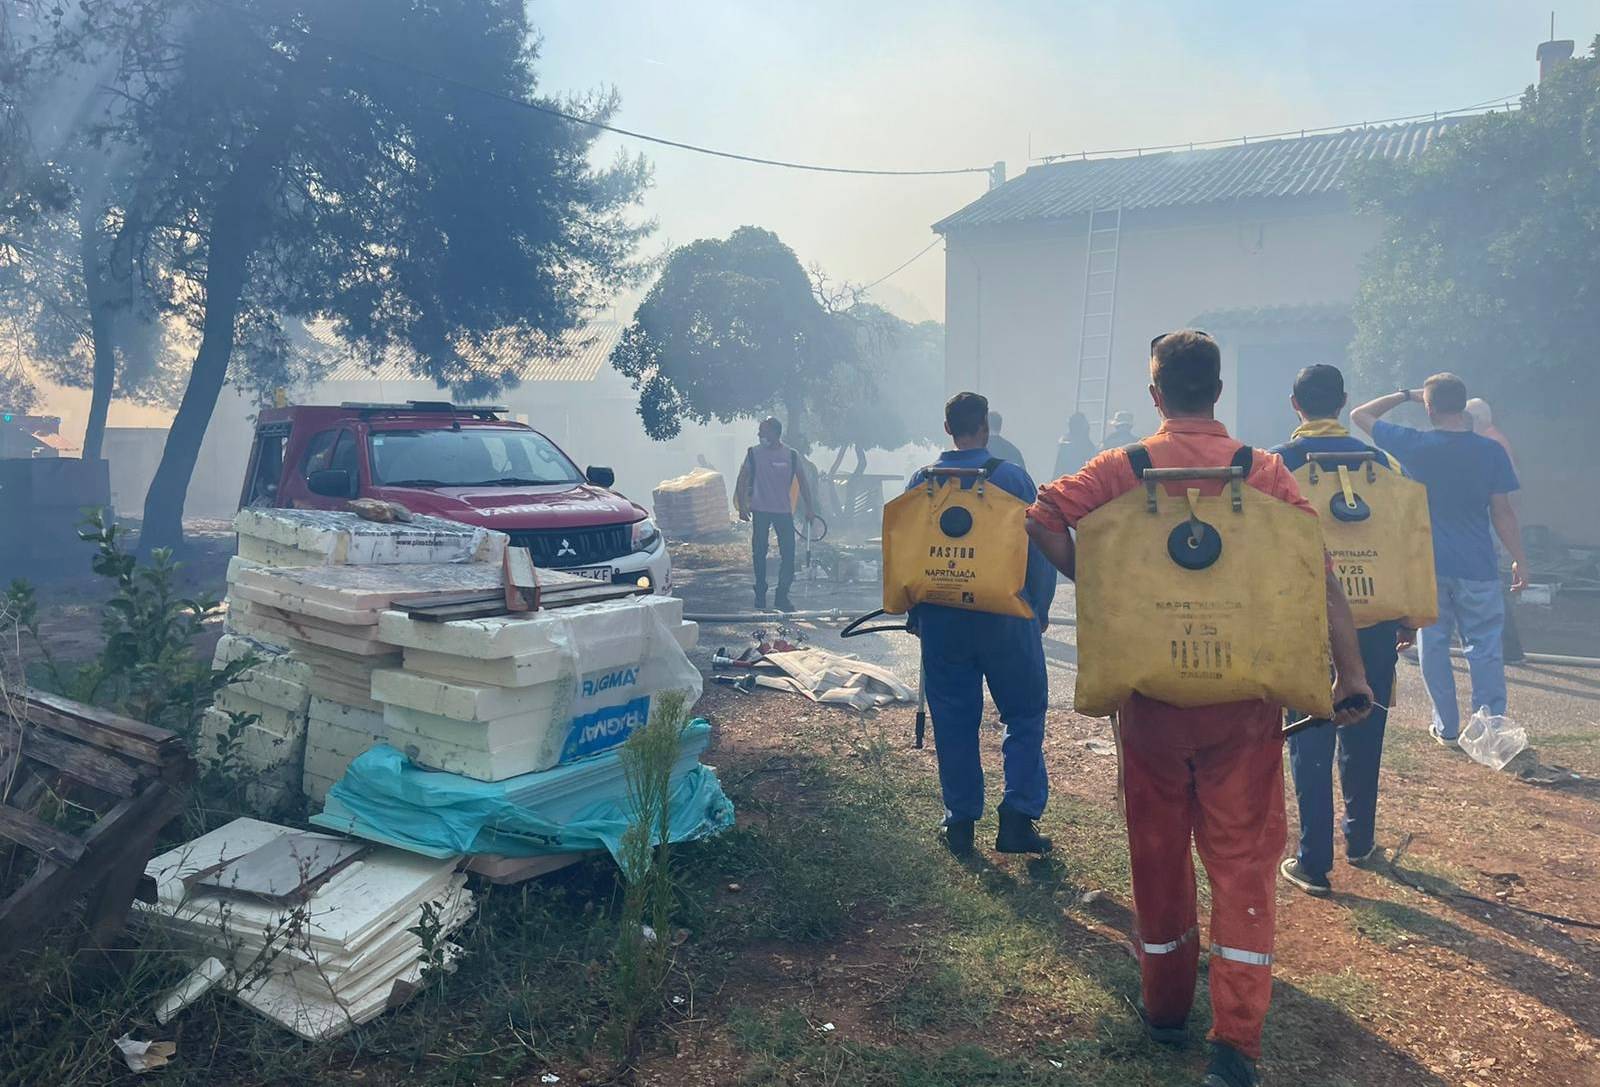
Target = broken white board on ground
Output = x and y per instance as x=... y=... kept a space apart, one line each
x=342 y=957
x=346 y=539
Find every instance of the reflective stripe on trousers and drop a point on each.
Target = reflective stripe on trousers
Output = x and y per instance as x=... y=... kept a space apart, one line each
x=1171 y=945
x=1234 y=954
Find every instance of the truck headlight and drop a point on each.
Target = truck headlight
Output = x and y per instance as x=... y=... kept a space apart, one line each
x=645 y=534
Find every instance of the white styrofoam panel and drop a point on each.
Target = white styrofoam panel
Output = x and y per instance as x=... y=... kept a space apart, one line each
x=374 y=588
x=508 y=635
x=355 y=641
x=538 y=753
x=349 y=742
x=311 y=609
x=463 y=701
x=344 y=715
x=264 y=687
x=491 y=736
x=286 y=723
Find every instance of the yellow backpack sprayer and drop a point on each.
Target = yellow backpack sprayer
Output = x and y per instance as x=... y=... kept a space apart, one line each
x=1197 y=600
x=952 y=545
x=957 y=546
x=1376 y=528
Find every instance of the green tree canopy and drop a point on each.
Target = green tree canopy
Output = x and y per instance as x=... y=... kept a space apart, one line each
x=730 y=328
x=298 y=160
x=891 y=390
x=1489 y=264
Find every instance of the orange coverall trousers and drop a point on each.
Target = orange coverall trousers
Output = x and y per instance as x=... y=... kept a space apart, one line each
x=1213 y=775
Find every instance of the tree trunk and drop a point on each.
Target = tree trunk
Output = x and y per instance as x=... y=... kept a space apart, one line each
x=237 y=226
x=101 y=325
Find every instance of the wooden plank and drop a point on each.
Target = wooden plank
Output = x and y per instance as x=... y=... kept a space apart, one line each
x=52 y=887
x=106 y=908
x=55 y=706
x=81 y=762
x=133 y=747
x=34 y=833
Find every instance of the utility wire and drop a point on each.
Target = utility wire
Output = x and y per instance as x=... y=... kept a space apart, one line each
x=1244 y=140
x=577 y=119
x=901 y=267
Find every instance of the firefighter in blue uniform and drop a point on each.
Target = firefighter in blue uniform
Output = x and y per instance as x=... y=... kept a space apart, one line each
x=961 y=649
x=1319 y=397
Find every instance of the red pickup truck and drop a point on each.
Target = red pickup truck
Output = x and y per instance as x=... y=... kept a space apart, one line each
x=465 y=464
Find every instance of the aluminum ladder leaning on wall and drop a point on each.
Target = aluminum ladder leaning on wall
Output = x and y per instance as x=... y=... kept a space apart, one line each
x=1101 y=246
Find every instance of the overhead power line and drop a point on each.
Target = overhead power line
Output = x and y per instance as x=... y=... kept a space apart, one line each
x=1194 y=145
x=902 y=266
x=577 y=119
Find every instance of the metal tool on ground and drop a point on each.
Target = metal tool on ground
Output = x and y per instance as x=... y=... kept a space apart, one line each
x=855 y=628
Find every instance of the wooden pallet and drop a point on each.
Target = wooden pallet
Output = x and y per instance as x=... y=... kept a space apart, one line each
x=132 y=776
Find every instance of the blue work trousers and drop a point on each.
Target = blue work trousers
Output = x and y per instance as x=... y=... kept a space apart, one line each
x=1359 y=748
x=960 y=650
x=1477 y=610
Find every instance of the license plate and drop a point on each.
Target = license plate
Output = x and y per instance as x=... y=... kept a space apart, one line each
x=593 y=573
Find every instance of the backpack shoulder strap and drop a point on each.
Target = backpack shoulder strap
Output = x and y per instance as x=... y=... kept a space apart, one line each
x=990 y=465
x=1244 y=457
x=1138 y=459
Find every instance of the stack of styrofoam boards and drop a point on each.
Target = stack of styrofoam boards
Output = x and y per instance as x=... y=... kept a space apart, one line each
x=329 y=614
x=277 y=537
x=692 y=505
x=492 y=698
x=344 y=956
x=276 y=692
x=335 y=734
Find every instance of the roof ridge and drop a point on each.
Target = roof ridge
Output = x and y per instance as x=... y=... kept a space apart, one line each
x=1289 y=166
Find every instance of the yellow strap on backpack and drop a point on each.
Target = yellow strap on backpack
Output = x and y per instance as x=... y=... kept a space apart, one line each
x=960 y=547
x=1199 y=600
x=1376 y=527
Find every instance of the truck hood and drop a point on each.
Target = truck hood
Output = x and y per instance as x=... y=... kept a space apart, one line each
x=518 y=509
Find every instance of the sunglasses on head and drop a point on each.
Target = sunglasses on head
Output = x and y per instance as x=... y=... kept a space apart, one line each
x=1164 y=335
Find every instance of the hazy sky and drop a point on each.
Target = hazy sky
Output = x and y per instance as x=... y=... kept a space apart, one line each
x=932 y=84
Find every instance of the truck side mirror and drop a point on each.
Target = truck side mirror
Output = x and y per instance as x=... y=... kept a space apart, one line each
x=331 y=483
x=600 y=477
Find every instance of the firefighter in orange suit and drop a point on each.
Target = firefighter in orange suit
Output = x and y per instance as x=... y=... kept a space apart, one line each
x=1213 y=773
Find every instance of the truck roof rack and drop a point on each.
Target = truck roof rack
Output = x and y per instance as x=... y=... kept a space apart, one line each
x=481 y=411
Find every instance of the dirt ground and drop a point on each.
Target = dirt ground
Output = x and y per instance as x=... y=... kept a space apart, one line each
x=830 y=940
x=1426 y=971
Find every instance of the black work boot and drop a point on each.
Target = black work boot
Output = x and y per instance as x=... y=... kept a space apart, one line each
x=1230 y=1068
x=783 y=603
x=1018 y=834
x=958 y=837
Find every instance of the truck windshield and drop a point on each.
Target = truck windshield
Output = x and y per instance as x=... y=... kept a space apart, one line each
x=469 y=457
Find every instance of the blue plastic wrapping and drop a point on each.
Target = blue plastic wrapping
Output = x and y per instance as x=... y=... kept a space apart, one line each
x=573 y=808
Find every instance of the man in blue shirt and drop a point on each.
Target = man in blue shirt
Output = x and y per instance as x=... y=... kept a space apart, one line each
x=1318 y=399
x=961 y=649
x=1469 y=480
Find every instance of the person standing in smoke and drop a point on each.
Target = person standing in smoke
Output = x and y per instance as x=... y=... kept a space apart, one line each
x=1120 y=432
x=1469 y=479
x=999 y=446
x=763 y=495
x=1075 y=449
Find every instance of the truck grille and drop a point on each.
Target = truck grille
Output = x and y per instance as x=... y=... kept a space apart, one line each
x=576 y=546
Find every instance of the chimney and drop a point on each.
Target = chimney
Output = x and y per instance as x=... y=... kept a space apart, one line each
x=1552 y=55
